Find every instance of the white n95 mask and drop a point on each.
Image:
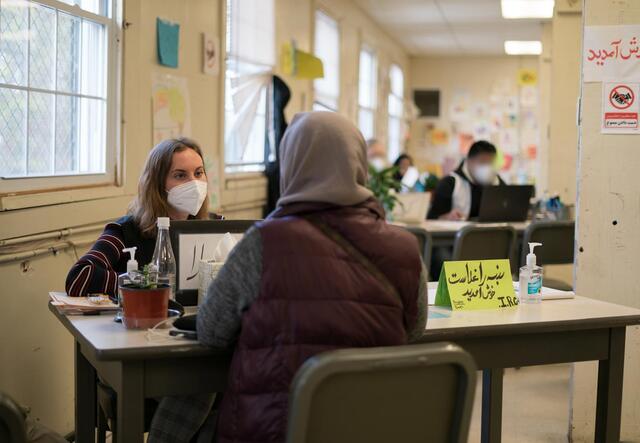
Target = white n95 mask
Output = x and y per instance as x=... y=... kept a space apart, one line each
x=188 y=197
x=484 y=174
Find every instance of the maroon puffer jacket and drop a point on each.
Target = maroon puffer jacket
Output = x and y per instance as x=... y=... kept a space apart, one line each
x=314 y=297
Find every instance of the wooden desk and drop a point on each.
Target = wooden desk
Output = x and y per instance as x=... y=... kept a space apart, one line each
x=551 y=332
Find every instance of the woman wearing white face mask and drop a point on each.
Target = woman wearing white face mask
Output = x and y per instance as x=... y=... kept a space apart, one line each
x=458 y=195
x=173 y=184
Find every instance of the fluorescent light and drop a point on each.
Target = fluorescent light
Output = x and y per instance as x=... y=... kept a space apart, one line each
x=527 y=8
x=522 y=47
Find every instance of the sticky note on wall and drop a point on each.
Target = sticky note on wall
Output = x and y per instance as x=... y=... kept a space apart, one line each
x=168 y=41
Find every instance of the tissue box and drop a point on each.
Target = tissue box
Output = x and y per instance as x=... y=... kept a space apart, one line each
x=207 y=273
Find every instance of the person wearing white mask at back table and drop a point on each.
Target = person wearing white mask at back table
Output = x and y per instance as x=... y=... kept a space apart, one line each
x=377 y=155
x=458 y=195
x=173 y=184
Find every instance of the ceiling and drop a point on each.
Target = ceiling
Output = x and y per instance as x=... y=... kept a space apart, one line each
x=449 y=27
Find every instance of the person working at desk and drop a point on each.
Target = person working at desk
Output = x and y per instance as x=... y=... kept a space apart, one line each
x=173 y=184
x=458 y=195
x=323 y=271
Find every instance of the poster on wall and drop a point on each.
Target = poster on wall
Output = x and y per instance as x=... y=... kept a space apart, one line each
x=620 y=108
x=528 y=96
x=171 y=109
x=210 y=54
x=459 y=109
x=611 y=52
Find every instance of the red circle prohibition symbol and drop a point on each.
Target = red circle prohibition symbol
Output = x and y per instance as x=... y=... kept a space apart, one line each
x=621 y=97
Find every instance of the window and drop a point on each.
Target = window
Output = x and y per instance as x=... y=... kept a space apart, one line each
x=327 y=48
x=395 y=110
x=251 y=54
x=58 y=97
x=367 y=92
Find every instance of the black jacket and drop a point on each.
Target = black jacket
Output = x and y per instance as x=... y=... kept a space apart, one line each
x=442 y=200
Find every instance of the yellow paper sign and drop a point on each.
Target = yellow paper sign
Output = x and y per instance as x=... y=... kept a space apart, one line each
x=299 y=63
x=527 y=77
x=478 y=284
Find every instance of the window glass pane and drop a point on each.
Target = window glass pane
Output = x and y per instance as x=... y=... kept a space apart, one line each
x=40 y=136
x=327 y=48
x=251 y=31
x=365 y=123
x=394 y=145
x=42 y=45
x=93 y=69
x=396 y=79
x=100 y=7
x=92 y=135
x=68 y=50
x=67 y=125
x=13 y=127
x=368 y=82
x=14 y=41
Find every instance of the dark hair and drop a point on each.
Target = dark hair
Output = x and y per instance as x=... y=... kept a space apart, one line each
x=481 y=147
x=403 y=157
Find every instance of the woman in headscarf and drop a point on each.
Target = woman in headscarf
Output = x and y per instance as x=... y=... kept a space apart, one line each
x=323 y=271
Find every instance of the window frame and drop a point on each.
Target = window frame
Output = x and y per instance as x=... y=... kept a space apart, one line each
x=318 y=99
x=251 y=167
x=44 y=190
x=373 y=86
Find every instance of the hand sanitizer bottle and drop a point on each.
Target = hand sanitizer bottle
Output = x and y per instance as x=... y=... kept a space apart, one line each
x=128 y=277
x=531 y=279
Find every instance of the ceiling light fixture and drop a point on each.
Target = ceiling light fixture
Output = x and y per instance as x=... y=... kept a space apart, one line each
x=527 y=8
x=523 y=47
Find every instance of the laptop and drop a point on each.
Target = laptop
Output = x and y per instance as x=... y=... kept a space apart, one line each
x=412 y=207
x=505 y=203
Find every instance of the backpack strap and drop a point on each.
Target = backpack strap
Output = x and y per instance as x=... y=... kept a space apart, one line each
x=348 y=247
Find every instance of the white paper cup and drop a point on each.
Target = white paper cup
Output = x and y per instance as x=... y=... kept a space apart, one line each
x=208 y=271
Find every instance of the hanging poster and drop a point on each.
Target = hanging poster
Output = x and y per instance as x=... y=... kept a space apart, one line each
x=527 y=77
x=171 y=110
x=611 y=52
x=459 y=109
x=210 y=54
x=528 y=96
x=620 y=107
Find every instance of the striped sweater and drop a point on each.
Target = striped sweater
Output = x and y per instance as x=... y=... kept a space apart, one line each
x=97 y=271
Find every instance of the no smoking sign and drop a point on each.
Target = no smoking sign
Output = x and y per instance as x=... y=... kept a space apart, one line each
x=620 y=107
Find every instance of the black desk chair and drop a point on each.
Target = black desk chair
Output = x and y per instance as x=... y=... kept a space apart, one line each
x=12 y=424
x=425 y=243
x=477 y=242
x=409 y=394
x=558 y=240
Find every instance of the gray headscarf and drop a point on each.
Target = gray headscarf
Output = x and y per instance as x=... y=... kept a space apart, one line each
x=323 y=158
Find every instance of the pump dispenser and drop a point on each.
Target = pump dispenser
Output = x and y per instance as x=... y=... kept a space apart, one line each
x=128 y=277
x=132 y=264
x=531 y=278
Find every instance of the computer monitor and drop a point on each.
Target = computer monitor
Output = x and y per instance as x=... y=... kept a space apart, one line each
x=505 y=203
x=195 y=240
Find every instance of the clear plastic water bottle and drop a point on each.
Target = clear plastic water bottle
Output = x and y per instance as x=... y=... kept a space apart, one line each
x=163 y=259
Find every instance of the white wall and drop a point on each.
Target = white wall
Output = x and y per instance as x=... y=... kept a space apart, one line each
x=36 y=352
x=478 y=77
x=606 y=266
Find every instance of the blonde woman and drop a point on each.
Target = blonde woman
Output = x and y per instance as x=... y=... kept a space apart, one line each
x=173 y=184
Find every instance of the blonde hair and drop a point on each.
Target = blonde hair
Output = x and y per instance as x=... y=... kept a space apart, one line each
x=151 y=201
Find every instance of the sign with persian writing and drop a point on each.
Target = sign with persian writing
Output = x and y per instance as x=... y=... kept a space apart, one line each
x=478 y=284
x=611 y=53
x=620 y=107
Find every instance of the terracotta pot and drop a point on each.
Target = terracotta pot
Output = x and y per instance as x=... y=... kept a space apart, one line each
x=144 y=308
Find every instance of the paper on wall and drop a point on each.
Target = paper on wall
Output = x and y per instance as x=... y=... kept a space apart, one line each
x=611 y=53
x=171 y=107
x=620 y=108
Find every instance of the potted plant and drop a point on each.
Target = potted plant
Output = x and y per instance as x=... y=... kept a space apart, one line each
x=385 y=187
x=145 y=303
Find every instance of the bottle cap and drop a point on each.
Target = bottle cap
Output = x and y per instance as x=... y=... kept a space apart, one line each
x=132 y=264
x=531 y=257
x=163 y=222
